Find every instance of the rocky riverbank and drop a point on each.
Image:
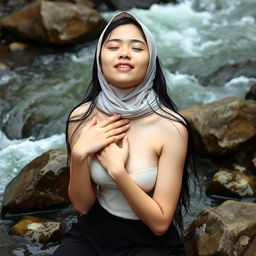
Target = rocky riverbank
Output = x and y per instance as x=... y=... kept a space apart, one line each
x=35 y=207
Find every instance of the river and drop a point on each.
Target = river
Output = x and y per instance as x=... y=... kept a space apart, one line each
x=198 y=42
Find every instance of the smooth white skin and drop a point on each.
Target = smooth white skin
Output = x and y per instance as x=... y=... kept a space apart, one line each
x=129 y=48
x=150 y=141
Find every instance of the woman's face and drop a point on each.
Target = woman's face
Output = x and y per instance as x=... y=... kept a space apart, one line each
x=125 y=57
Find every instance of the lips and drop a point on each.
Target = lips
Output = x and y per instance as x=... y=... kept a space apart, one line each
x=124 y=66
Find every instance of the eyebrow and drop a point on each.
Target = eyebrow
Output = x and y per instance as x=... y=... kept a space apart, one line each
x=119 y=40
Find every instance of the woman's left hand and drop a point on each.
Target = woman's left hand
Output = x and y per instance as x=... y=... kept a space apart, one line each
x=114 y=157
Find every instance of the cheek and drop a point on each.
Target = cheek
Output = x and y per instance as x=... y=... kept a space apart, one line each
x=104 y=57
x=145 y=65
x=104 y=64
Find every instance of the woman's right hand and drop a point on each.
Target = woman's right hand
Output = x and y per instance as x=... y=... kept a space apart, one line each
x=98 y=134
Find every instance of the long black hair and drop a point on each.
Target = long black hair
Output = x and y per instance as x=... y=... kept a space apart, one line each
x=163 y=100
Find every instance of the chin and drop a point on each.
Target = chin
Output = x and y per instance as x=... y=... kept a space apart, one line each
x=124 y=85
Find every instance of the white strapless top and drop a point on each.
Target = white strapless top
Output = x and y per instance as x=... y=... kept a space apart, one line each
x=108 y=193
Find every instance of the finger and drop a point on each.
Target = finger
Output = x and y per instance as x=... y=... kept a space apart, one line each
x=92 y=122
x=116 y=124
x=115 y=138
x=109 y=120
x=125 y=143
x=117 y=131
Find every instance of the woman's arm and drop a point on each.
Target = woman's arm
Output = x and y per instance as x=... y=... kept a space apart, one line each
x=81 y=190
x=92 y=137
x=156 y=212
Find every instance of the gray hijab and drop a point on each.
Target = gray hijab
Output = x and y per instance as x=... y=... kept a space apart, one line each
x=134 y=102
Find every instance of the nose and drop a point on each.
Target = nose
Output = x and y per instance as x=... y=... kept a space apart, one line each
x=125 y=53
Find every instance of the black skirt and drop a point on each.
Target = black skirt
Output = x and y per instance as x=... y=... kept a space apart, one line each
x=100 y=233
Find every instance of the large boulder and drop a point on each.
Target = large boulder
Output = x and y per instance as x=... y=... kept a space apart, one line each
x=230 y=183
x=54 y=23
x=222 y=126
x=229 y=229
x=40 y=185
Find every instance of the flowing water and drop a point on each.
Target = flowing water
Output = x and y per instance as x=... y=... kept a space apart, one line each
x=198 y=41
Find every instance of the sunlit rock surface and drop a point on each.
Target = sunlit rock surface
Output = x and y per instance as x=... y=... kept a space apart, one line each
x=17 y=46
x=3 y=66
x=222 y=126
x=37 y=229
x=230 y=183
x=229 y=229
x=40 y=185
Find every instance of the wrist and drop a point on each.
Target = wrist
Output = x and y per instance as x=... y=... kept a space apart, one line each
x=117 y=172
x=79 y=156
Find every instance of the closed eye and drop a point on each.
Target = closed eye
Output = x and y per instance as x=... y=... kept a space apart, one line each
x=113 y=48
x=137 y=49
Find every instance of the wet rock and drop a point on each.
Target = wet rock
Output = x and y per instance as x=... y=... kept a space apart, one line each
x=253 y=163
x=59 y=23
x=10 y=6
x=37 y=229
x=230 y=183
x=25 y=57
x=240 y=168
x=87 y=3
x=251 y=95
x=229 y=229
x=125 y=5
x=222 y=126
x=3 y=66
x=225 y=73
x=40 y=185
x=18 y=46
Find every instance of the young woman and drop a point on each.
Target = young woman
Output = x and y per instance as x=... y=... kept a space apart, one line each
x=129 y=152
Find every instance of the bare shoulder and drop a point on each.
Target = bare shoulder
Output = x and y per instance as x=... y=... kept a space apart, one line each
x=79 y=111
x=172 y=123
